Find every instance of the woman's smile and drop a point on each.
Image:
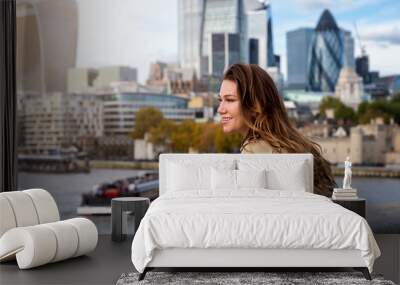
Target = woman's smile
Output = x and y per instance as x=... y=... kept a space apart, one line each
x=225 y=119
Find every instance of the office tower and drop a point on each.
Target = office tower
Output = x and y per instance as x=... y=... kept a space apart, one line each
x=47 y=33
x=331 y=49
x=362 y=67
x=253 y=51
x=190 y=20
x=224 y=51
x=110 y=74
x=250 y=20
x=349 y=60
x=298 y=43
x=121 y=107
x=222 y=16
x=55 y=120
x=217 y=54
x=373 y=76
x=259 y=26
x=277 y=59
x=81 y=79
x=270 y=46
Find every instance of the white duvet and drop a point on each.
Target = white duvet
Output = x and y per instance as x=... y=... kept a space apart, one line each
x=257 y=218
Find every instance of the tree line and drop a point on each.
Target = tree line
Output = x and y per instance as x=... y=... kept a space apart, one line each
x=184 y=136
x=366 y=111
x=208 y=137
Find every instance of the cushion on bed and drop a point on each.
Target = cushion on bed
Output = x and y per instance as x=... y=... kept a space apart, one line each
x=251 y=178
x=223 y=179
x=282 y=174
x=295 y=181
x=188 y=175
x=231 y=180
x=184 y=177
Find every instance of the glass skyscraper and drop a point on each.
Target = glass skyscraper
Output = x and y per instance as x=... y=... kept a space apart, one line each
x=362 y=67
x=200 y=19
x=349 y=59
x=40 y=68
x=331 y=49
x=224 y=51
x=298 y=43
x=221 y=16
x=315 y=56
x=190 y=19
x=270 y=42
x=259 y=26
x=253 y=51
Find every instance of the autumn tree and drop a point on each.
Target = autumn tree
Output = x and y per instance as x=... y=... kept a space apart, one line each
x=185 y=136
x=227 y=143
x=341 y=111
x=161 y=134
x=146 y=118
x=345 y=113
x=206 y=141
x=328 y=102
x=380 y=108
x=394 y=108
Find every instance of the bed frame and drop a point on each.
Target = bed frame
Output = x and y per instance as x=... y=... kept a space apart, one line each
x=242 y=259
x=246 y=258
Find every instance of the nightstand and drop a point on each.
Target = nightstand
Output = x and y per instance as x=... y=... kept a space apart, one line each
x=356 y=205
x=120 y=207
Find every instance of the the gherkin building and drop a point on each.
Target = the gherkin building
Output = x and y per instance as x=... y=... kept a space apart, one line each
x=327 y=54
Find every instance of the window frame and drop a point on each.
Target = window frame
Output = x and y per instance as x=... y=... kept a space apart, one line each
x=8 y=97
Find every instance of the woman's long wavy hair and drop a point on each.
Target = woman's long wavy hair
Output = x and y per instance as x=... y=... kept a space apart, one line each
x=265 y=115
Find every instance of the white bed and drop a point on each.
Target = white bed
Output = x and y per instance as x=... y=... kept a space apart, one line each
x=225 y=217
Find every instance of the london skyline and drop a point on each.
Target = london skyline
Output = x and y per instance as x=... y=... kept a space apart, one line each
x=143 y=34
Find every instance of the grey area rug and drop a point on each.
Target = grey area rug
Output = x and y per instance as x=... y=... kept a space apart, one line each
x=226 y=278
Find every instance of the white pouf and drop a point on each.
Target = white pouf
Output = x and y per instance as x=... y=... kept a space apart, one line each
x=7 y=220
x=46 y=207
x=31 y=232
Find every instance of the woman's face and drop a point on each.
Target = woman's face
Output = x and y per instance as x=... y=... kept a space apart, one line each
x=230 y=109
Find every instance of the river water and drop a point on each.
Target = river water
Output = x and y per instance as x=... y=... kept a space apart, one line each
x=382 y=194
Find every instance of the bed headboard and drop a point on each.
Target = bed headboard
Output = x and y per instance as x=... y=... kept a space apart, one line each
x=212 y=158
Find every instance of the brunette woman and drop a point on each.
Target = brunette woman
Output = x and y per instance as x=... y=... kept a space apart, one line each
x=250 y=105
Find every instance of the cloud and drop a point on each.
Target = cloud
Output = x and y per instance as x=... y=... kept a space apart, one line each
x=384 y=33
x=337 y=5
x=382 y=45
x=314 y=4
x=383 y=59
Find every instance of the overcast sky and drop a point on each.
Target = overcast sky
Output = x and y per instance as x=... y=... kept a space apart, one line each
x=136 y=32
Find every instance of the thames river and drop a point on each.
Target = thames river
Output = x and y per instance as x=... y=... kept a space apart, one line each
x=382 y=194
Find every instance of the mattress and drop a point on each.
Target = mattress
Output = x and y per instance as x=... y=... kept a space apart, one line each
x=252 y=219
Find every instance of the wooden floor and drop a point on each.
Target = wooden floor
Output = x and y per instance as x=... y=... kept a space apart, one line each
x=111 y=259
x=103 y=266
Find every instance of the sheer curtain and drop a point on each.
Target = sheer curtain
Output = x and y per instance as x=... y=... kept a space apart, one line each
x=8 y=97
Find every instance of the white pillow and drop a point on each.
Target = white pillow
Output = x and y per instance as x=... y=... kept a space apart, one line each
x=193 y=175
x=182 y=177
x=251 y=178
x=230 y=180
x=295 y=180
x=282 y=173
x=223 y=179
